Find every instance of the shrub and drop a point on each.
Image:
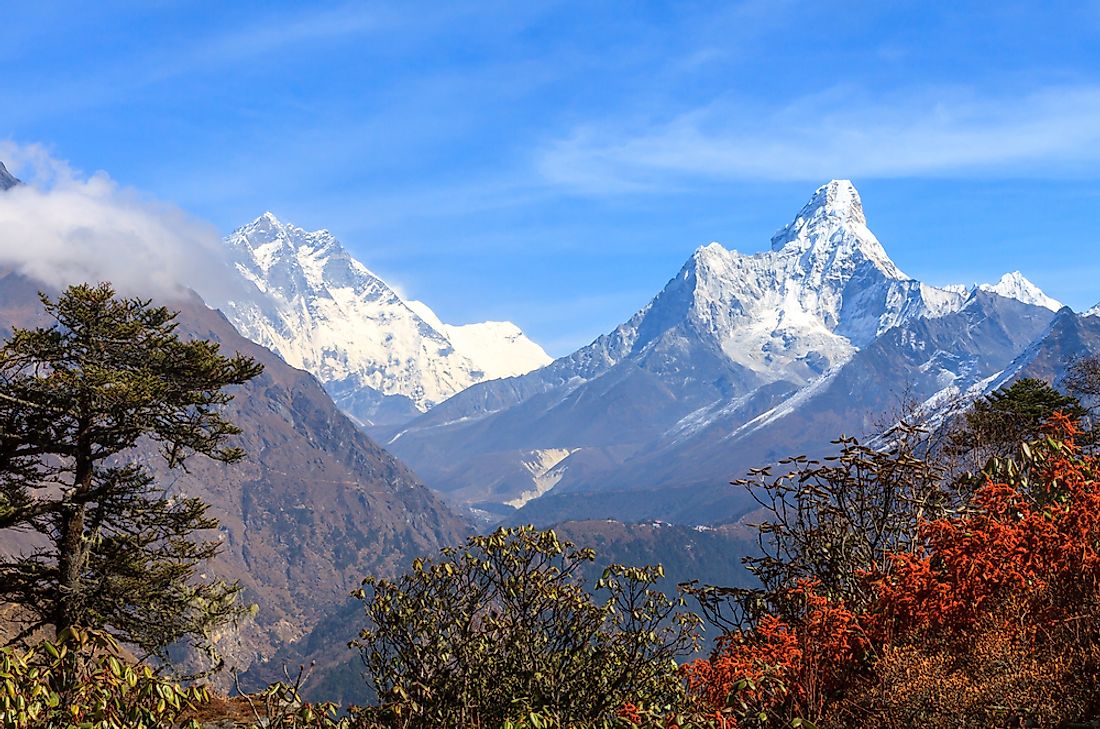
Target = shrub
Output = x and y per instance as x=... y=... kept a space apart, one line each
x=987 y=618
x=80 y=682
x=504 y=629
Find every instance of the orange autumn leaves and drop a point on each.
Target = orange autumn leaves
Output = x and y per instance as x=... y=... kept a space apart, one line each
x=1018 y=565
x=1035 y=540
x=781 y=665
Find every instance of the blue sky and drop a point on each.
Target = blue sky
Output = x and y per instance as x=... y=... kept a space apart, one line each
x=555 y=163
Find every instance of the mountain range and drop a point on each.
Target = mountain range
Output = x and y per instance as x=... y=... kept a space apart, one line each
x=740 y=360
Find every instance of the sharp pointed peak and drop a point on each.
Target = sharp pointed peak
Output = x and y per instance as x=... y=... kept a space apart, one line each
x=266 y=221
x=712 y=248
x=269 y=220
x=268 y=224
x=706 y=257
x=838 y=198
x=837 y=202
x=1014 y=277
x=7 y=179
x=260 y=230
x=1014 y=285
x=832 y=221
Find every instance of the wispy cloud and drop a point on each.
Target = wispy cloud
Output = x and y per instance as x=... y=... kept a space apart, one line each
x=231 y=47
x=839 y=133
x=266 y=36
x=64 y=227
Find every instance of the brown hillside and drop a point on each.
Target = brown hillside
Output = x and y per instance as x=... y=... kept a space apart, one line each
x=315 y=505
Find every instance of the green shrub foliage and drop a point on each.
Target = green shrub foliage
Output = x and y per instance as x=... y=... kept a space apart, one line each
x=504 y=629
x=80 y=682
x=995 y=425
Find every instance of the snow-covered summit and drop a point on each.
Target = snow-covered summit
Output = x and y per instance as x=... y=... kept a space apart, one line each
x=823 y=289
x=498 y=348
x=832 y=223
x=1094 y=311
x=1012 y=285
x=306 y=297
x=296 y=259
x=826 y=276
x=837 y=201
x=1015 y=286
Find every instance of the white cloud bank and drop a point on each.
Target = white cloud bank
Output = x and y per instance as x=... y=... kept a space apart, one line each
x=63 y=228
x=838 y=133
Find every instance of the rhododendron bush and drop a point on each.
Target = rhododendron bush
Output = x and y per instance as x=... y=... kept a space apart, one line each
x=989 y=617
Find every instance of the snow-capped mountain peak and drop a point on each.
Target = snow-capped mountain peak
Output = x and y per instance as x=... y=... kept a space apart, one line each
x=837 y=199
x=268 y=241
x=831 y=227
x=825 y=288
x=1094 y=311
x=1015 y=286
x=308 y=299
x=498 y=348
x=264 y=230
x=268 y=230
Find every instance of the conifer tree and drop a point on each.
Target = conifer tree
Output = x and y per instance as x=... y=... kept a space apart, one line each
x=998 y=423
x=84 y=404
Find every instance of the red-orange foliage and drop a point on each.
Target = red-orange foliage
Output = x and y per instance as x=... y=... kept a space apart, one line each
x=1023 y=556
x=1036 y=541
x=783 y=669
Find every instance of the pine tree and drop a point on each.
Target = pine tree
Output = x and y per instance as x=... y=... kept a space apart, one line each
x=83 y=403
x=997 y=424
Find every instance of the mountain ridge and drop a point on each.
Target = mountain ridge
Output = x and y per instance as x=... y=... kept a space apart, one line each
x=302 y=294
x=731 y=333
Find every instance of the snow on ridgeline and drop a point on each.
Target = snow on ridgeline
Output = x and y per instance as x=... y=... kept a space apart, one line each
x=497 y=348
x=305 y=297
x=1015 y=286
x=1012 y=285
